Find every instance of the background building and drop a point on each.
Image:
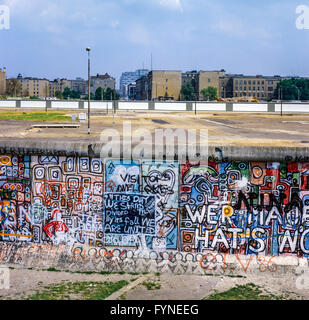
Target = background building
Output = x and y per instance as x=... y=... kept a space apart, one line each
x=104 y=81
x=58 y=85
x=132 y=91
x=163 y=84
x=3 y=81
x=36 y=87
x=207 y=79
x=79 y=85
x=260 y=87
x=128 y=78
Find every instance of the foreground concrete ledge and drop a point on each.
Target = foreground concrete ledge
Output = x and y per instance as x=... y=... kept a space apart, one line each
x=84 y=258
x=93 y=148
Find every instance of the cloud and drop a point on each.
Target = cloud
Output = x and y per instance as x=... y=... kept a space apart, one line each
x=171 y=4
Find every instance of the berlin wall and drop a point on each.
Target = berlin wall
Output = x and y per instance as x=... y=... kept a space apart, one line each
x=168 y=216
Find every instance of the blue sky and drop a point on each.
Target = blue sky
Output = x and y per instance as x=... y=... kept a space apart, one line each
x=47 y=38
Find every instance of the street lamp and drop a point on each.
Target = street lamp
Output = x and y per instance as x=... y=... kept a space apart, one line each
x=88 y=50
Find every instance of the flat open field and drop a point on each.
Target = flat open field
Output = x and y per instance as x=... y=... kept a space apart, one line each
x=234 y=129
x=53 y=284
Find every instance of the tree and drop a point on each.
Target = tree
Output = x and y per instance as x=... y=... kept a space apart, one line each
x=111 y=94
x=99 y=94
x=66 y=93
x=187 y=92
x=14 y=87
x=211 y=93
x=58 y=94
x=91 y=96
x=75 y=94
x=292 y=89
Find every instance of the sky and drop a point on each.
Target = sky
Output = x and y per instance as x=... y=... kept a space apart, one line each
x=47 y=38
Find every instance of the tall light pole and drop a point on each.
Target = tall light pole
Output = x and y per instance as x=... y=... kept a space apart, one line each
x=88 y=50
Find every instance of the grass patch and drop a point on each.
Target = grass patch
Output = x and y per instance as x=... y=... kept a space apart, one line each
x=85 y=290
x=249 y=291
x=53 y=269
x=11 y=268
x=35 y=116
x=151 y=285
x=123 y=296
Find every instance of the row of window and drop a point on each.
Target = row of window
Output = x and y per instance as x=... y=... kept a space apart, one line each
x=254 y=89
x=269 y=82
x=244 y=94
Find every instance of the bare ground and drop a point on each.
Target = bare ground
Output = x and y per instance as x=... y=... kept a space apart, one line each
x=25 y=282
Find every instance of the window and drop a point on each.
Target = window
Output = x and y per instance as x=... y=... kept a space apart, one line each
x=249 y=82
x=236 y=81
x=253 y=88
x=236 y=88
x=166 y=80
x=209 y=80
x=166 y=88
x=240 y=81
x=245 y=88
x=270 y=89
x=258 y=95
x=262 y=82
x=262 y=88
x=253 y=82
x=235 y=94
x=249 y=88
x=245 y=81
x=270 y=82
x=240 y=88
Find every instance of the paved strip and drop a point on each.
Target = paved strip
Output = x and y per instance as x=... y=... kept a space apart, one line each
x=117 y=294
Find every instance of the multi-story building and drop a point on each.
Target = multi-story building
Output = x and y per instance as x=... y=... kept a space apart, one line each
x=189 y=76
x=206 y=79
x=102 y=81
x=163 y=84
x=132 y=90
x=30 y=86
x=248 y=87
x=58 y=85
x=80 y=85
x=142 y=92
x=3 y=81
x=128 y=78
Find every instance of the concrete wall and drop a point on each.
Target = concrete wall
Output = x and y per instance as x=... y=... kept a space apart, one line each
x=161 y=106
x=199 y=210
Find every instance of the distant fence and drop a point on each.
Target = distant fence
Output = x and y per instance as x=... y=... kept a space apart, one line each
x=158 y=106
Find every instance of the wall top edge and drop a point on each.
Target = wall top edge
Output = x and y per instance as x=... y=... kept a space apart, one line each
x=215 y=153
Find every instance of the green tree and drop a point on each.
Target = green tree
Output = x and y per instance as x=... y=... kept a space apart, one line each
x=210 y=93
x=111 y=94
x=91 y=96
x=187 y=92
x=66 y=93
x=75 y=94
x=99 y=94
x=58 y=94
x=14 y=87
x=292 y=89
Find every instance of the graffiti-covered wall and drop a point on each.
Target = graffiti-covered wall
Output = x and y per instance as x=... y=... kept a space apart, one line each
x=248 y=208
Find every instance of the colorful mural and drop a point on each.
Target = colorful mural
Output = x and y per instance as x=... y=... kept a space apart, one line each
x=250 y=208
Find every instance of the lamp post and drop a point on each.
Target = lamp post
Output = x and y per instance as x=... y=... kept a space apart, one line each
x=88 y=50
